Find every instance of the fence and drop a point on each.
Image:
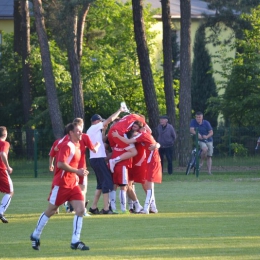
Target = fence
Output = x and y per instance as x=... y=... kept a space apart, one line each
x=232 y=147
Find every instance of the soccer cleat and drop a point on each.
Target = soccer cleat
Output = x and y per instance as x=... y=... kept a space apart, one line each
x=112 y=165
x=154 y=211
x=3 y=219
x=131 y=211
x=94 y=211
x=35 y=243
x=102 y=211
x=86 y=214
x=79 y=245
x=144 y=212
x=138 y=207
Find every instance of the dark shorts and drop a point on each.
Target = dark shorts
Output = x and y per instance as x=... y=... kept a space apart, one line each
x=103 y=174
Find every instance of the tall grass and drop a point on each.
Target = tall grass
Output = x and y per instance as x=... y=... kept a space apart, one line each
x=210 y=217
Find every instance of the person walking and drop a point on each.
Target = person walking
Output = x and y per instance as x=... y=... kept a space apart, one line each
x=205 y=133
x=65 y=188
x=6 y=184
x=166 y=138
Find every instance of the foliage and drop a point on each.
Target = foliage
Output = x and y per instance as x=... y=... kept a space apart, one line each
x=10 y=84
x=202 y=82
x=240 y=102
x=238 y=150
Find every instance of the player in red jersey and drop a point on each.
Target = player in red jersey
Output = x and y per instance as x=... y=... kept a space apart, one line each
x=154 y=170
x=123 y=126
x=6 y=184
x=66 y=188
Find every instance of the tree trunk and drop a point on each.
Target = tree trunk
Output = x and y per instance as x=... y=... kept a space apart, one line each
x=145 y=66
x=52 y=98
x=17 y=27
x=26 y=75
x=74 y=63
x=167 y=61
x=80 y=29
x=185 y=83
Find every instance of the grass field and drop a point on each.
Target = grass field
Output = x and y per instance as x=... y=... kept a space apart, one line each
x=210 y=217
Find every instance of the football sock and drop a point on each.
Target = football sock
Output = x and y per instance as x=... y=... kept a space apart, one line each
x=112 y=198
x=149 y=198
x=5 y=203
x=122 y=199
x=43 y=219
x=77 y=226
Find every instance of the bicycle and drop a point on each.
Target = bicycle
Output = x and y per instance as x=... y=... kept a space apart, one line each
x=192 y=160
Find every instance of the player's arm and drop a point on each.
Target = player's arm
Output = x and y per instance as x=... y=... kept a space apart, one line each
x=96 y=146
x=154 y=146
x=51 y=163
x=113 y=117
x=66 y=167
x=123 y=139
x=4 y=159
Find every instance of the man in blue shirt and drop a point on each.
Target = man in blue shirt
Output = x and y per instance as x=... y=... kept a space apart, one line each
x=205 y=133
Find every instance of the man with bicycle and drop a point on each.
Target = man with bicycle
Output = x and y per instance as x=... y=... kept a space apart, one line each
x=205 y=133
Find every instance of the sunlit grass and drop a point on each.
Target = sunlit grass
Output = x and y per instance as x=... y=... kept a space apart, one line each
x=210 y=217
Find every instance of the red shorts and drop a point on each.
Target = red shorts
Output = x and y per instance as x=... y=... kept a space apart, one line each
x=120 y=175
x=138 y=173
x=154 y=171
x=60 y=195
x=6 y=184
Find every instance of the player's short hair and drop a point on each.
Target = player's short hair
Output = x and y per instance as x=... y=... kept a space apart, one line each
x=3 y=131
x=139 y=123
x=78 y=120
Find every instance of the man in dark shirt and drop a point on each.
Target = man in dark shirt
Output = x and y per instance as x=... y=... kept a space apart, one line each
x=205 y=133
x=166 y=138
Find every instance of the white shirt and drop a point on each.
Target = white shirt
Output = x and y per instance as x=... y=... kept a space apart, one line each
x=95 y=135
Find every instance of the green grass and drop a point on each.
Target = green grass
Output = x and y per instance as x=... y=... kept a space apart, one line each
x=212 y=217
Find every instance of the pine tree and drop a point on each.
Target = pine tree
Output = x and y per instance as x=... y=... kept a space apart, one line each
x=202 y=82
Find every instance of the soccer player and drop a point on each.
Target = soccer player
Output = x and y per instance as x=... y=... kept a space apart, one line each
x=122 y=127
x=65 y=188
x=154 y=170
x=6 y=184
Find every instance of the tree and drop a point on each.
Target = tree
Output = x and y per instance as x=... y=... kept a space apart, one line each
x=53 y=103
x=167 y=61
x=240 y=102
x=26 y=74
x=202 y=82
x=185 y=82
x=144 y=63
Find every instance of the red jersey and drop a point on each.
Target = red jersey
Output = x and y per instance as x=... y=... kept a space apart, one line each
x=147 y=139
x=69 y=153
x=4 y=147
x=126 y=122
x=85 y=142
x=52 y=152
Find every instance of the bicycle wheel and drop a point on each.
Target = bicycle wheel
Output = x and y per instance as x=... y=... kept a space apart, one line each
x=188 y=169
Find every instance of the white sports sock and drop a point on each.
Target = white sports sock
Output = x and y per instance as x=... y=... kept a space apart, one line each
x=77 y=226
x=149 y=198
x=130 y=203
x=122 y=199
x=5 y=203
x=112 y=198
x=43 y=219
x=117 y=159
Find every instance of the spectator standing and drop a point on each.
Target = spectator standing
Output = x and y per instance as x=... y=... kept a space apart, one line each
x=166 y=138
x=205 y=133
